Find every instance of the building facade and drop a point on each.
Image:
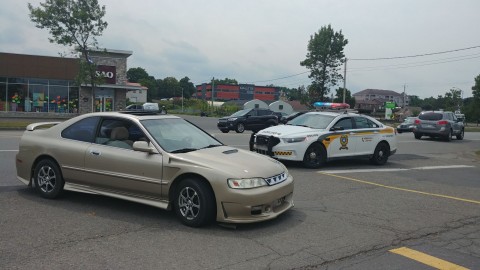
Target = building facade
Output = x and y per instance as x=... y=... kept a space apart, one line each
x=226 y=92
x=374 y=99
x=44 y=84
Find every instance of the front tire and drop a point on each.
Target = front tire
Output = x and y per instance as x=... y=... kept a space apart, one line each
x=194 y=203
x=240 y=128
x=224 y=130
x=418 y=136
x=315 y=156
x=381 y=154
x=48 y=179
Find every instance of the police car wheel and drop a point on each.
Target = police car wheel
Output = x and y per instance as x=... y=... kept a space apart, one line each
x=315 y=156
x=380 y=156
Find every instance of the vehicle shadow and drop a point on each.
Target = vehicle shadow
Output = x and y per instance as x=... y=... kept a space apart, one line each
x=91 y=205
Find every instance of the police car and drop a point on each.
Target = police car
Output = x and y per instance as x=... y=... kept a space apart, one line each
x=317 y=137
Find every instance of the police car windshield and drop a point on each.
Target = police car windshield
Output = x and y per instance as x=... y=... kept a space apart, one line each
x=317 y=121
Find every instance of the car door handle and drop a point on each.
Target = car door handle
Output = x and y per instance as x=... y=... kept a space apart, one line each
x=95 y=153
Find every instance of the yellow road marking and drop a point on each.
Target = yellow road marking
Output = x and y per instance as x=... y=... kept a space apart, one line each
x=403 y=189
x=426 y=259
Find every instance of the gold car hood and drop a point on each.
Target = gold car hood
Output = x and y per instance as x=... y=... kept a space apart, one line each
x=231 y=161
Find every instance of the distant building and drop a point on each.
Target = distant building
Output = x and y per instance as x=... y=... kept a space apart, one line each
x=137 y=95
x=226 y=92
x=374 y=99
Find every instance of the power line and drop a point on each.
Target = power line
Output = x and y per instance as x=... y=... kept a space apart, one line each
x=411 y=56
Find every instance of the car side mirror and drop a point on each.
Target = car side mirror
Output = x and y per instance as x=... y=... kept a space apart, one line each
x=143 y=146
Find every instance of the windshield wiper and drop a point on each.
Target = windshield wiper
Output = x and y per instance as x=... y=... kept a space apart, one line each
x=303 y=126
x=211 y=146
x=184 y=150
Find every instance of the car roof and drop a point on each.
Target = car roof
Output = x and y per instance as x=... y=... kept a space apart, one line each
x=139 y=115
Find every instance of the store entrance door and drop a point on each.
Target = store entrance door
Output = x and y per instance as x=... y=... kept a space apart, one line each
x=104 y=100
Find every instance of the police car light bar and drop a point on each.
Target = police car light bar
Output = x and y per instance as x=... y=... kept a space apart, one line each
x=330 y=105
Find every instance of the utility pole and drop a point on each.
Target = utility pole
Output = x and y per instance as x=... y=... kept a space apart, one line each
x=404 y=96
x=213 y=87
x=344 y=79
x=182 y=99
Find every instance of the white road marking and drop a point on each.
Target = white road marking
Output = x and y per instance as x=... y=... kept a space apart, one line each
x=8 y=150
x=397 y=169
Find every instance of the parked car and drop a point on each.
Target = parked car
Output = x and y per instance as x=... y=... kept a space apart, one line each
x=289 y=117
x=248 y=119
x=407 y=125
x=439 y=124
x=158 y=160
x=317 y=137
x=143 y=107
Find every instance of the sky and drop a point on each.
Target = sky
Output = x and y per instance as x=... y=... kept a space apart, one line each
x=263 y=41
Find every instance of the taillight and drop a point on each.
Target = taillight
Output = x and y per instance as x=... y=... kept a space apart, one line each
x=442 y=122
x=417 y=121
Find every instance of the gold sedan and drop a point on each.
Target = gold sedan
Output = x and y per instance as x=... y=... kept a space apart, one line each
x=159 y=160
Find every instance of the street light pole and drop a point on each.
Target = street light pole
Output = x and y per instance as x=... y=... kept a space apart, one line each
x=182 y=99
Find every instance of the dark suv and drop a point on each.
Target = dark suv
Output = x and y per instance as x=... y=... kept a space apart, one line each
x=440 y=124
x=248 y=119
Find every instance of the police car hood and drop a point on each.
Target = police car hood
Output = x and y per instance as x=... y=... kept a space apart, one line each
x=287 y=131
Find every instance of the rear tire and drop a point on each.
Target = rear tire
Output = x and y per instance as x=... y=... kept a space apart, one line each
x=48 y=179
x=381 y=154
x=418 y=136
x=448 y=138
x=194 y=203
x=461 y=135
x=315 y=156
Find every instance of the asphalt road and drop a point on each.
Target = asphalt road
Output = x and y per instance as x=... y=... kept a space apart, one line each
x=421 y=208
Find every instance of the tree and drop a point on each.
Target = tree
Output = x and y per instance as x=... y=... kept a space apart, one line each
x=472 y=112
x=324 y=58
x=136 y=74
x=188 y=87
x=348 y=97
x=226 y=81
x=73 y=23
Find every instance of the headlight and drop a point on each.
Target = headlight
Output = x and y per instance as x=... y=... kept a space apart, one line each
x=232 y=119
x=246 y=183
x=293 y=140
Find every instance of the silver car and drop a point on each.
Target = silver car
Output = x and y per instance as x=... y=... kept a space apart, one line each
x=158 y=160
x=441 y=124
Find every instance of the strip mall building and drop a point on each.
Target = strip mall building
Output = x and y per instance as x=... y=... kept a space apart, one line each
x=44 y=84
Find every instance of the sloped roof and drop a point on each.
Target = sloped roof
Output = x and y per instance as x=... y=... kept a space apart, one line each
x=377 y=92
x=297 y=106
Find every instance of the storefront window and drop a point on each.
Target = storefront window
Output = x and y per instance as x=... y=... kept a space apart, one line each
x=3 y=97
x=37 y=81
x=16 y=97
x=59 y=82
x=73 y=99
x=58 y=99
x=38 y=94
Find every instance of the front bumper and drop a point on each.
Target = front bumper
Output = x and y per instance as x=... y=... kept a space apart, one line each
x=259 y=204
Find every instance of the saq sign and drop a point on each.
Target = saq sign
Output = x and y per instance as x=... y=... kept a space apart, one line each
x=108 y=73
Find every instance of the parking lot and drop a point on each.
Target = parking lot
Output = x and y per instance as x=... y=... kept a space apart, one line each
x=419 y=210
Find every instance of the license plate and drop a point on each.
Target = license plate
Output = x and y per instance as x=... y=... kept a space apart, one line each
x=427 y=126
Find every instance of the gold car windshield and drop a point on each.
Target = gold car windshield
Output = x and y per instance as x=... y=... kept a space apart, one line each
x=179 y=136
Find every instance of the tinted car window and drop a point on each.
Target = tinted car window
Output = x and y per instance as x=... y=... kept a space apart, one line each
x=82 y=130
x=362 y=122
x=346 y=123
x=431 y=116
